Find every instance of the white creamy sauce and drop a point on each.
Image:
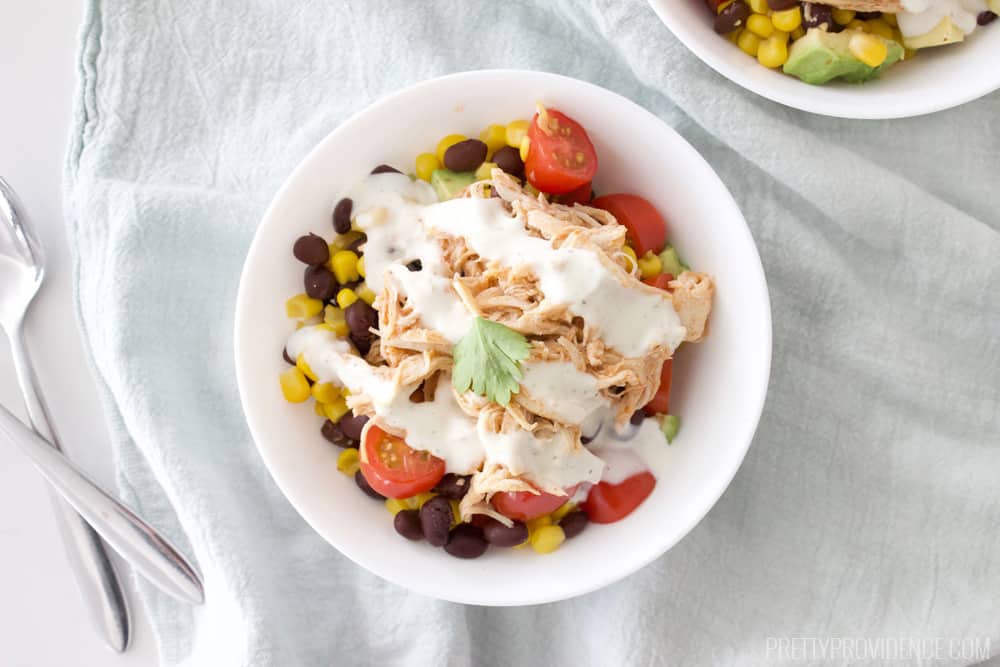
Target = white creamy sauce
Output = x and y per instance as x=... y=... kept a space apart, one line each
x=398 y=216
x=630 y=321
x=922 y=16
x=646 y=449
x=564 y=391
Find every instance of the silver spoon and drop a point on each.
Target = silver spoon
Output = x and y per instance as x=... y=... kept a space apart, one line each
x=21 y=274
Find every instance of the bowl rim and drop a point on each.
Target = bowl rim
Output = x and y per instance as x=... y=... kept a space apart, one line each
x=596 y=581
x=919 y=106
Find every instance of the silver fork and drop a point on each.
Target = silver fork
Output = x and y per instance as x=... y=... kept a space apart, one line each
x=22 y=271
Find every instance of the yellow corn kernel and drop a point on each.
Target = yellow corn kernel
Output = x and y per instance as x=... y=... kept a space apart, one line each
x=325 y=392
x=346 y=297
x=340 y=243
x=365 y=293
x=336 y=409
x=538 y=522
x=319 y=409
x=333 y=317
x=294 y=386
x=396 y=505
x=880 y=28
x=345 y=266
x=843 y=16
x=301 y=364
x=484 y=171
x=760 y=25
x=773 y=52
x=447 y=143
x=787 y=19
x=782 y=35
x=890 y=19
x=734 y=36
x=425 y=165
x=302 y=307
x=798 y=33
x=515 y=132
x=495 y=138
x=547 y=539
x=748 y=43
x=759 y=6
x=524 y=148
x=869 y=49
x=650 y=265
x=417 y=501
x=632 y=261
x=456 y=514
x=348 y=462
x=560 y=512
x=361 y=267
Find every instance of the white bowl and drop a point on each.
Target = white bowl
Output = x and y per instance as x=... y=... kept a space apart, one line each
x=719 y=384
x=934 y=80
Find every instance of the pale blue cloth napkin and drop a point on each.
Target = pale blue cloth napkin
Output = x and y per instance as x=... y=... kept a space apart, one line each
x=869 y=504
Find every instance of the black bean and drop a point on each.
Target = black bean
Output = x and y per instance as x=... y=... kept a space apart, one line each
x=465 y=155
x=867 y=16
x=288 y=359
x=311 y=249
x=342 y=215
x=815 y=15
x=733 y=17
x=637 y=417
x=332 y=432
x=355 y=246
x=352 y=424
x=466 y=541
x=435 y=520
x=453 y=486
x=509 y=159
x=779 y=5
x=504 y=536
x=986 y=18
x=574 y=523
x=407 y=523
x=415 y=265
x=385 y=169
x=320 y=283
x=360 y=318
x=363 y=484
x=362 y=345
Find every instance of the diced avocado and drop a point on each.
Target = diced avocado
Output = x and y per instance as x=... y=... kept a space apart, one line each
x=672 y=263
x=822 y=56
x=448 y=184
x=945 y=32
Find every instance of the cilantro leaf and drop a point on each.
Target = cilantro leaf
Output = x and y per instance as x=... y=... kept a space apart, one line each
x=488 y=359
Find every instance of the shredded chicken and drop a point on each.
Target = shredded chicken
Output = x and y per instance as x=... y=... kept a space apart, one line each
x=510 y=295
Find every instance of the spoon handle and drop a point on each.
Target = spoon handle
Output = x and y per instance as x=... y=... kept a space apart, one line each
x=95 y=575
x=138 y=543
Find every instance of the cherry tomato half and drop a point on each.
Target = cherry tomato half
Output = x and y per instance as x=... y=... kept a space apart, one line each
x=647 y=230
x=659 y=281
x=395 y=469
x=524 y=505
x=660 y=404
x=607 y=503
x=560 y=155
x=582 y=195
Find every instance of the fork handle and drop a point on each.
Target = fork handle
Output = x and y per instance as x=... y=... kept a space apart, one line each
x=95 y=575
x=135 y=540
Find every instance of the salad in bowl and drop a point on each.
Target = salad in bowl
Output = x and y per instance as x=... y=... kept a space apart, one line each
x=490 y=341
x=506 y=362
x=847 y=40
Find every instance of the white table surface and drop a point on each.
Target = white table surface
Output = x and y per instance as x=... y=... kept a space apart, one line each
x=42 y=619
